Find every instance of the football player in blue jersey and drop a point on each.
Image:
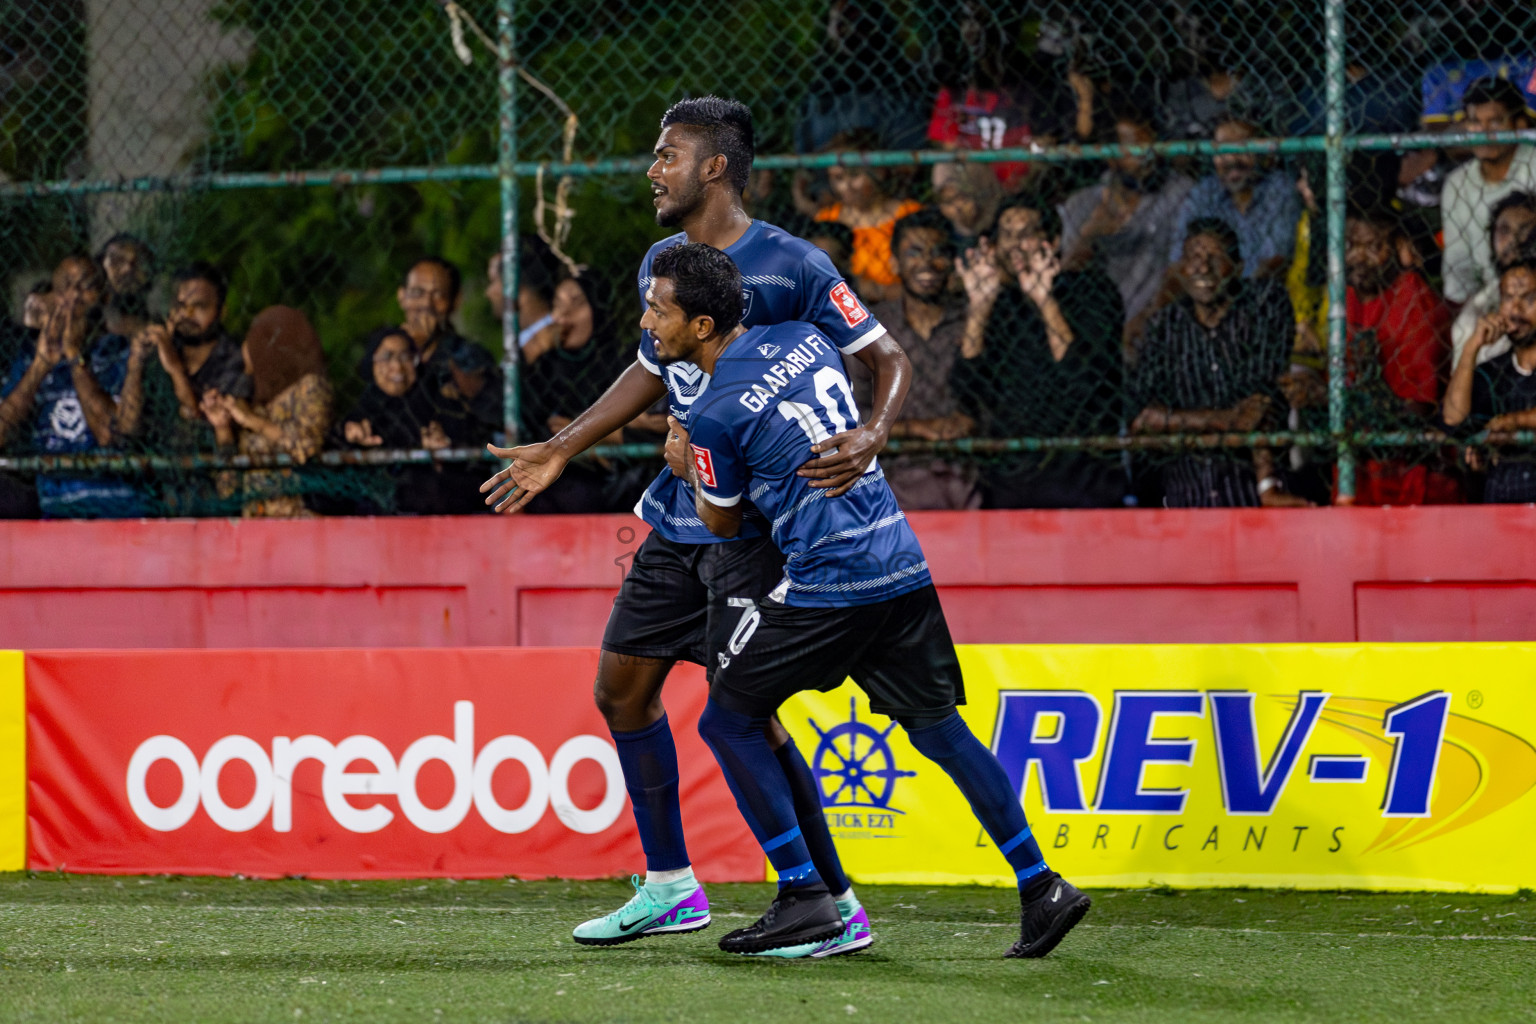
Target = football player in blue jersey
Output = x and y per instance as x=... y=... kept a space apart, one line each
x=855 y=600
x=688 y=596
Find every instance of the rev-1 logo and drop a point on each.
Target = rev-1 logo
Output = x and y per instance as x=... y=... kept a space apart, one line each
x=1055 y=731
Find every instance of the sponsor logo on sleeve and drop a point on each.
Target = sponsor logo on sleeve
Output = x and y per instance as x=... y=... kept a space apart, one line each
x=848 y=304
x=703 y=465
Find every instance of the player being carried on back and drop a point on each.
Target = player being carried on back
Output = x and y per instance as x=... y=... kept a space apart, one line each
x=856 y=598
x=688 y=596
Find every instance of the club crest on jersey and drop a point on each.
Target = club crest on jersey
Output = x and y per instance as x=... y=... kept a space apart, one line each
x=703 y=465
x=687 y=382
x=746 y=303
x=848 y=304
x=768 y=351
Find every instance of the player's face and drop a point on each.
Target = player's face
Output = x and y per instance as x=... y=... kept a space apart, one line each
x=1517 y=302
x=195 y=313
x=676 y=336
x=1206 y=269
x=1514 y=227
x=924 y=259
x=676 y=190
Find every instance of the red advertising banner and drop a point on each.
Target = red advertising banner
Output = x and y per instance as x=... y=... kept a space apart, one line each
x=349 y=764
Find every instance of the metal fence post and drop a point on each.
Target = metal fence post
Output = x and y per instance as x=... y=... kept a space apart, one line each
x=1333 y=15
x=506 y=152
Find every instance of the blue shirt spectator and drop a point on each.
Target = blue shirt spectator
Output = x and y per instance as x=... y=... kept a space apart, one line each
x=63 y=397
x=1261 y=208
x=58 y=427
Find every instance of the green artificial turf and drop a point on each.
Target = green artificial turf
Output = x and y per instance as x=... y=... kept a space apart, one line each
x=199 y=949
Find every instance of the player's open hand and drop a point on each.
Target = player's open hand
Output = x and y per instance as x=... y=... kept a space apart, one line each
x=534 y=468
x=843 y=459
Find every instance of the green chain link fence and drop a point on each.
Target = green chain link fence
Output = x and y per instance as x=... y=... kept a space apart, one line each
x=313 y=152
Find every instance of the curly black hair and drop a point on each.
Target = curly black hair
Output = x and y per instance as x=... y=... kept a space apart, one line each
x=705 y=282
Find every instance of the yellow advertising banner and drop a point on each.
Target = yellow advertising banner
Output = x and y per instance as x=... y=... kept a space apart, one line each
x=13 y=761
x=1361 y=766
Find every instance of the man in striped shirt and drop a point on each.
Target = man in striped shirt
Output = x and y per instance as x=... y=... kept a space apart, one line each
x=1211 y=363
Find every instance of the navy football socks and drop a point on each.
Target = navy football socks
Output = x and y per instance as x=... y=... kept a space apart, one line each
x=813 y=824
x=761 y=790
x=649 y=759
x=952 y=746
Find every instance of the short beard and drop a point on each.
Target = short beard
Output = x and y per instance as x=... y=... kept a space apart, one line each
x=1524 y=343
x=1372 y=282
x=686 y=204
x=211 y=334
x=936 y=299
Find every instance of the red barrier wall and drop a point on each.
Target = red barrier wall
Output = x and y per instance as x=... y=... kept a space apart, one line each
x=1336 y=574
x=349 y=764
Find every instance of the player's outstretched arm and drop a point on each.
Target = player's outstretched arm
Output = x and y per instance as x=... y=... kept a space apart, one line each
x=857 y=448
x=536 y=466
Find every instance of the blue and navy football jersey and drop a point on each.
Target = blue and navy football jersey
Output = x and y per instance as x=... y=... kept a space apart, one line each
x=782 y=278
x=776 y=391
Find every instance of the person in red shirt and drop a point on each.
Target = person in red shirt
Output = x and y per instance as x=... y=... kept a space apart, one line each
x=1399 y=345
x=994 y=97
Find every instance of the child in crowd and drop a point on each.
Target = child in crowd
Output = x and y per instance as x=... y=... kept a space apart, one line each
x=865 y=202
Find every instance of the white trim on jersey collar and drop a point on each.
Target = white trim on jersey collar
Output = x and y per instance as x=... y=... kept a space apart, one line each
x=872 y=335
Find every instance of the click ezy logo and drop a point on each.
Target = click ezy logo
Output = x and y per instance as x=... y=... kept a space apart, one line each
x=856 y=769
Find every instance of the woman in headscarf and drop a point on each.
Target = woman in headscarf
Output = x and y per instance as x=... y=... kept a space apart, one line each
x=396 y=411
x=565 y=380
x=968 y=194
x=392 y=411
x=289 y=411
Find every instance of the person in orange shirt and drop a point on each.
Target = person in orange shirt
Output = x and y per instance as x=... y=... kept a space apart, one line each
x=864 y=203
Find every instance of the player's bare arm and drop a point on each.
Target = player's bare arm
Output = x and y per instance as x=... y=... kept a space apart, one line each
x=536 y=466
x=857 y=448
x=722 y=521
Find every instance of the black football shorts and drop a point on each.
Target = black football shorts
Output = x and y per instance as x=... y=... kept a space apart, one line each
x=684 y=601
x=899 y=652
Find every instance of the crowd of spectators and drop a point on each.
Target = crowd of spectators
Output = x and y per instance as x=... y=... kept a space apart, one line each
x=1140 y=297
x=1181 y=296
